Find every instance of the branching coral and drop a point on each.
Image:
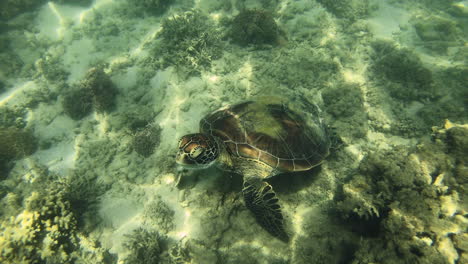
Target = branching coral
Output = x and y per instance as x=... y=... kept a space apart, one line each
x=43 y=232
x=145 y=247
x=190 y=41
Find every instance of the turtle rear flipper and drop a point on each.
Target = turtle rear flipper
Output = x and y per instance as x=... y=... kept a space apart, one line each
x=261 y=200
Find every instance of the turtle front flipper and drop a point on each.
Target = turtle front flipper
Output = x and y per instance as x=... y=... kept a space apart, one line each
x=261 y=200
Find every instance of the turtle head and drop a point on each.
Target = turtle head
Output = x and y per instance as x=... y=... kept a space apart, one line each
x=197 y=150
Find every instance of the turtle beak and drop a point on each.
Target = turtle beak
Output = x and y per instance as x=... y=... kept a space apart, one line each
x=183 y=159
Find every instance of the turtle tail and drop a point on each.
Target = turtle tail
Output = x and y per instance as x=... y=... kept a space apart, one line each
x=261 y=200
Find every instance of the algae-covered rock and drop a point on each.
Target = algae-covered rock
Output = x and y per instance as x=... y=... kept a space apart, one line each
x=15 y=143
x=11 y=8
x=146 y=140
x=407 y=78
x=102 y=89
x=96 y=91
x=77 y=103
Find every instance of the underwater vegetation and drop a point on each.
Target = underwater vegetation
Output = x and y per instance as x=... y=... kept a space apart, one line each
x=254 y=26
x=96 y=91
x=190 y=41
x=408 y=79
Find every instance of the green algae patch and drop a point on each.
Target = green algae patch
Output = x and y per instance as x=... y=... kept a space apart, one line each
x=407 y=77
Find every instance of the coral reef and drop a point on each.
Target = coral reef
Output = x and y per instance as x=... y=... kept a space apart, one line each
x=146 y=140
x=43 y=232
x=411 y=198
x=82 y=191
x=95 y=90
x=190 y=41
x=254 y=26
x=407 y=78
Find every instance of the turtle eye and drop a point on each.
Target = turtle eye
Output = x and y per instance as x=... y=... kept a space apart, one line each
x=195 y=152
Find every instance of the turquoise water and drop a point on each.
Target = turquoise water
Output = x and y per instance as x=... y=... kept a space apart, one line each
x=95 y=95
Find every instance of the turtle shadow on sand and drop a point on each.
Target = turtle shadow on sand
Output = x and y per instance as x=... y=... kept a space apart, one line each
x=292 y=182
x=225 y=182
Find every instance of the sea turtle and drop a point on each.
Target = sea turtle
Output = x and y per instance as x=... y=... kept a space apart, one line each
x=258 y=140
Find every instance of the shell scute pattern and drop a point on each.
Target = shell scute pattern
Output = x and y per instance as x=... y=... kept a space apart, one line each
x=269 y=133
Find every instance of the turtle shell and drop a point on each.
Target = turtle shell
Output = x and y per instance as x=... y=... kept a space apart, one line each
x=270 y=133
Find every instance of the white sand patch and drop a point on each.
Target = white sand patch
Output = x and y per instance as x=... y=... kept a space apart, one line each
x=60 y=157
x=388 y=20
x=78 y=57
x=53 y=20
